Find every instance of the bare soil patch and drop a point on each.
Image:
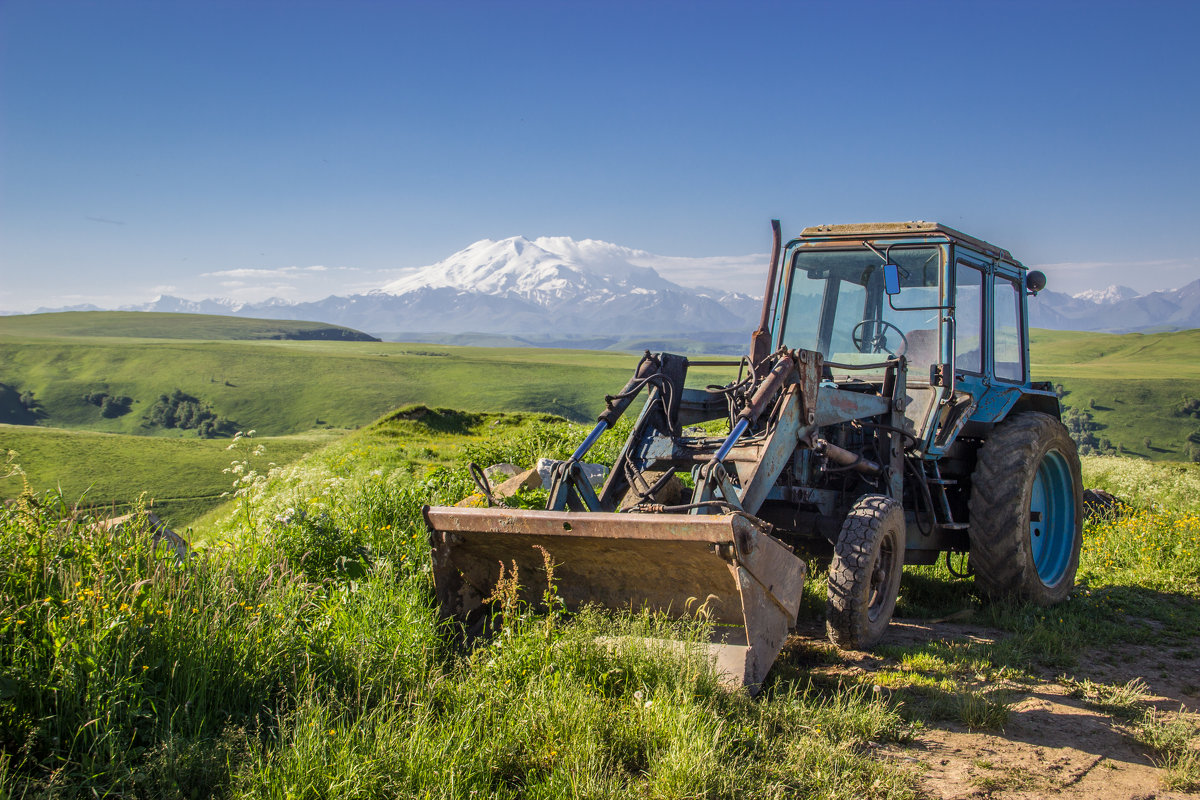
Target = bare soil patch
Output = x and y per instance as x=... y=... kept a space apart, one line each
x=1053 y=744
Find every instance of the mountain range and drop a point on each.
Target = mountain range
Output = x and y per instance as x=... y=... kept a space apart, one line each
x=1118 y=309
x=559 y=291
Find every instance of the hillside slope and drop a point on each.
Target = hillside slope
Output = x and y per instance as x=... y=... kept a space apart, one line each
x=1136 y=387
x=161 y=325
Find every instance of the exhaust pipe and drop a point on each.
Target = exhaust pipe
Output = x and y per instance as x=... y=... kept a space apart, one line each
x=760 y=340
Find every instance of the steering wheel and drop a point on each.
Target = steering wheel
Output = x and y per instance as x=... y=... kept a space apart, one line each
x=874 y=337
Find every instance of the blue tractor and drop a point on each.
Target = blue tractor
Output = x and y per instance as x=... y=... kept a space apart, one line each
x=884 y=416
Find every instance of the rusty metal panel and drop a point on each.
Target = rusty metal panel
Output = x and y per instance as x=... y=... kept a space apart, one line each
x=839 y=405
x=748 y=583
x=915 y=228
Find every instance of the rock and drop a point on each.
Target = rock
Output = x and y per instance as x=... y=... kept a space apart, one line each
x=498 y=473
x=155 y=526
x=1100 y=505
x=529 y=479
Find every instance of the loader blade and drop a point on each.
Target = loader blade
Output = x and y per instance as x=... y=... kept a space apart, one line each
x=747 y=581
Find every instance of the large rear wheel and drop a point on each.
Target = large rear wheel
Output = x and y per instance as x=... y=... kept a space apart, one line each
x=1026 y=510
x=864 y=577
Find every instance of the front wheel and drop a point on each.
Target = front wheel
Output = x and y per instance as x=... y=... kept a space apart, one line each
x=1026 y=511
x=864 y=577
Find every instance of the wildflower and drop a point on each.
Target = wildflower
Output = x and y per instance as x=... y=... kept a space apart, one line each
x=332 y=731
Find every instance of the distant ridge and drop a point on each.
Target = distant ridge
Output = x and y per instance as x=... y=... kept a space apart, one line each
x=1118 y=309
x=161 y=325
x=555 y=290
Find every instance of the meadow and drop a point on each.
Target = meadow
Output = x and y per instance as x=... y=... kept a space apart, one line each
x=1136 y=386
x=181 y=478
x=295 y=391
x=161 y=325
x=302 y=381
x=324 y=670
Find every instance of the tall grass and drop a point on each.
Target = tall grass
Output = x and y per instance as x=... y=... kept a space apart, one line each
x=299 y=654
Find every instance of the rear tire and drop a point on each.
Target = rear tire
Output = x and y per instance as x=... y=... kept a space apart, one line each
x=864 y=577
x=1026 y=511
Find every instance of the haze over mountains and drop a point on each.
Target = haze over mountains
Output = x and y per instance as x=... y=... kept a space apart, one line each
x=558 y=290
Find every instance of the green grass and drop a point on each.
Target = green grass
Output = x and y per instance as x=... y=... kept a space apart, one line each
x=157 y=325
x=323 y=670
x=182 y=477
x=279 y=388
x=291 y=387
x=1132 y=384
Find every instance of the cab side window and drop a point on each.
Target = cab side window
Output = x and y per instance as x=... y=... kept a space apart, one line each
x=1006 y=300
x=968 y=318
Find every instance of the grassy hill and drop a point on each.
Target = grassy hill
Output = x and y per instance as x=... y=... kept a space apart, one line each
x=1134 y=385
x=157 y=325
x=288 y=387
x=183 y=477
x=283 y=389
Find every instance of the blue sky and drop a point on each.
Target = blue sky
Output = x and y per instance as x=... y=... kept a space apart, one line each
x=146 y=146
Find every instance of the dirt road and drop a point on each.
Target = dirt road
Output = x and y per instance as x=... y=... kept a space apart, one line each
x=1057 y=741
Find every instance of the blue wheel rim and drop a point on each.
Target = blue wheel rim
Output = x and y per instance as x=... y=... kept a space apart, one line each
x=1052 y=518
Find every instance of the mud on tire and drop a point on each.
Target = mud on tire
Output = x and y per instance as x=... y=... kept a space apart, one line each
x=864 y=577
x=1026 y=511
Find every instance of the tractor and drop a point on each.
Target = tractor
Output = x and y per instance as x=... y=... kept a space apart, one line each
x=884 y=416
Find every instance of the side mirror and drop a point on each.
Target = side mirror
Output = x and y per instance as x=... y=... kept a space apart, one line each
x=891 y=278
x=1035 y=281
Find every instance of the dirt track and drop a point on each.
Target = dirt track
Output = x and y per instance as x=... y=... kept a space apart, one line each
x=1053 y=744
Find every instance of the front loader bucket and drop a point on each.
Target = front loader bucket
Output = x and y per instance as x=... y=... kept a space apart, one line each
x=747 y=580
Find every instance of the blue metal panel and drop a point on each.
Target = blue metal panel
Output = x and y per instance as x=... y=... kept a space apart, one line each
x=995 y=403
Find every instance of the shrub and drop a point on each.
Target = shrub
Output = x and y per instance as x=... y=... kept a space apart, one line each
x=186 y=412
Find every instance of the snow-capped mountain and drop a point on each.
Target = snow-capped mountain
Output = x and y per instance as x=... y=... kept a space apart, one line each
x=549 y=287
x=546 y=271
x=1106 y=296
x=1172 y=309
x=553 y=285
x=555 y=289
x=178 y=305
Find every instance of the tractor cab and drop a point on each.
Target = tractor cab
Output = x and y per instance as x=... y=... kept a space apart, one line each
x=952 y=306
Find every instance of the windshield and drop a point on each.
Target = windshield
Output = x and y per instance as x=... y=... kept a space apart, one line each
x=837 y=306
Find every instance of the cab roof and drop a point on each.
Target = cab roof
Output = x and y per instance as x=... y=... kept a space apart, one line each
x=901 y=230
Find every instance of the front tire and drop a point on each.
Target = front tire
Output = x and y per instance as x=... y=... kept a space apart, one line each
x=864 y=577
x=1026 y=511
